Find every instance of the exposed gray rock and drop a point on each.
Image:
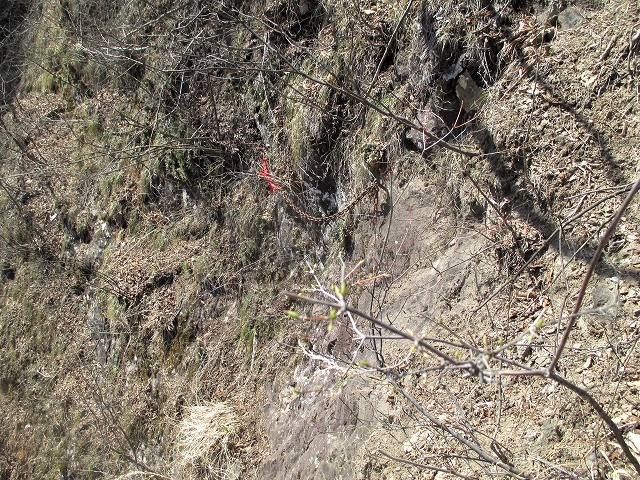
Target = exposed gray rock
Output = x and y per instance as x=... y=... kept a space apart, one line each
x=468 y=92
x=570 y=18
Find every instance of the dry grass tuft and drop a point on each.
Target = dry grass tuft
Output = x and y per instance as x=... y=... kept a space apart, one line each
x=204 y=438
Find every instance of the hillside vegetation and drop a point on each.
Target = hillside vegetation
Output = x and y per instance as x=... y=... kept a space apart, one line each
x=319 y=239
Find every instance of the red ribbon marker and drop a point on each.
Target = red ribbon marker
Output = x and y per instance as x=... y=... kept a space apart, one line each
x=264 y=173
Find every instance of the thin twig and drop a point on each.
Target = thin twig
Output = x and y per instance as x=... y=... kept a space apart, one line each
x=617 y=433
x=388 y=47
x=564 y=471
x=362 y=99
x=423 y=466
x=477 y=449
x=542 y=248
x=587 y=278
x=380 y=324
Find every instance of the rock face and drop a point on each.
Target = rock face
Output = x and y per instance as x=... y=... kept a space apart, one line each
x=316 y=433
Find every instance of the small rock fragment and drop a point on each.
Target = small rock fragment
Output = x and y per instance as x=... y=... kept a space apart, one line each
x=570 y=18
x=468 y=92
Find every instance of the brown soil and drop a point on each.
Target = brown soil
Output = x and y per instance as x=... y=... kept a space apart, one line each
x=149 y=291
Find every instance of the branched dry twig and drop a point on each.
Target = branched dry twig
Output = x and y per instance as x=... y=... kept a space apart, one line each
x=422 y=466
x=592 y=266
x=479 y=366
x=352 y=93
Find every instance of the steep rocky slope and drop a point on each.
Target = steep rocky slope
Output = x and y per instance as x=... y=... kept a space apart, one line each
x=446 y=168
